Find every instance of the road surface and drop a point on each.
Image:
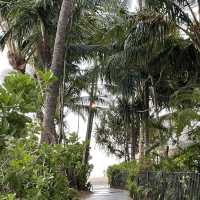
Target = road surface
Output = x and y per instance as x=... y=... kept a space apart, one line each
x=101 y=191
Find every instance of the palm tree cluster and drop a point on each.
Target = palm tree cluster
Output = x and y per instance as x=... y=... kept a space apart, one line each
x=155 y=58
x=144 y=59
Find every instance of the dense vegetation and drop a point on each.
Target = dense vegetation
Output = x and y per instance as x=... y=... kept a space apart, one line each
x=29 y=170
x=45 y=172
x=142 y=83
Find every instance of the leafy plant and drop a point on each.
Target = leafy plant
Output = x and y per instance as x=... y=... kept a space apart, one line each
x=119 y=175
x=19 y=97
x=29 y=171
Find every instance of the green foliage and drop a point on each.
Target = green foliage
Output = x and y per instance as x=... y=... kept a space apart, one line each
x=161 y=185
x=46 y=78
x=185 y=105
x=119 y=175
x=29 y=171
x=124 y=175
x=8 y=196
x=20 y=92
x=139 y=54
x=186 y=160
x=19 y=96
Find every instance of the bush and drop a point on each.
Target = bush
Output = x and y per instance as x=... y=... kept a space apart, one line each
x=145 y=180
x=45 y=172
x=119 y=175
x=124 y=175
x=19 y=96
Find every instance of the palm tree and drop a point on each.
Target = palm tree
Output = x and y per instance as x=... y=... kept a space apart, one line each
x=112 y=133
x=182 y=13
x=32 y=30
x=29 y=29
x=92 y=107
x=150 y=48
x=49 y=133
x=96 y=101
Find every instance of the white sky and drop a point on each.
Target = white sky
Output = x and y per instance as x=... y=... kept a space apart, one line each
x=100 y=159
x=132 y=4
x=5 y=68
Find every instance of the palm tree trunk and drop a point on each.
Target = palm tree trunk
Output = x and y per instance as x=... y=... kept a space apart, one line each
x=127 y=145
x=86 y=152
x=155 y=97
x=140 y=4
x=144 y=130
x=88 y=136
x=146 y=115
x=43 y=48
x=133 y=141
x=137 y=129
x=141 y=140
x=49 y=132
x=133 y=131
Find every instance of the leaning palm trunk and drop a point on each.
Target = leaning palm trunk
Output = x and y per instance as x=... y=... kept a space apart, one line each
x=146 y=116
x=86 y=152
x=141 y=142
x=127 y=153
x=133 y=142
x=134 y=138
x=88 y=136
x=49 y=132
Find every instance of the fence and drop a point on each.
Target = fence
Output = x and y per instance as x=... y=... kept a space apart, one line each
x=168 y=186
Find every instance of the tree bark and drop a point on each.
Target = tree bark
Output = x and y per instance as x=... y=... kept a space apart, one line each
x=146 y=116
x=133 y=131
x=141 y=140
x=133 y=141
x=49 y=135
x=137 y=131
x=140 y=4
x=86 y=152
x=155 y=98
x=88 y=136
x=127 y=146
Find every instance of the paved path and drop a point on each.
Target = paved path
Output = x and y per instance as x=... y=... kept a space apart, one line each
x=103 y=192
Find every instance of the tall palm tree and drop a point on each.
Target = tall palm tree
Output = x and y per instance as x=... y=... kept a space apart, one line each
x=96 y=101
x=91 y=113
x=49 y=133
x=150 y=39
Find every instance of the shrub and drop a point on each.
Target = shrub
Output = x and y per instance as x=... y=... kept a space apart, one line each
x=124 y=175
x=29 y=171
x=19 y=96
x=119 y=175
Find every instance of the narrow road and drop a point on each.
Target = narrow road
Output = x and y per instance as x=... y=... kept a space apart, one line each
x=103 y=192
